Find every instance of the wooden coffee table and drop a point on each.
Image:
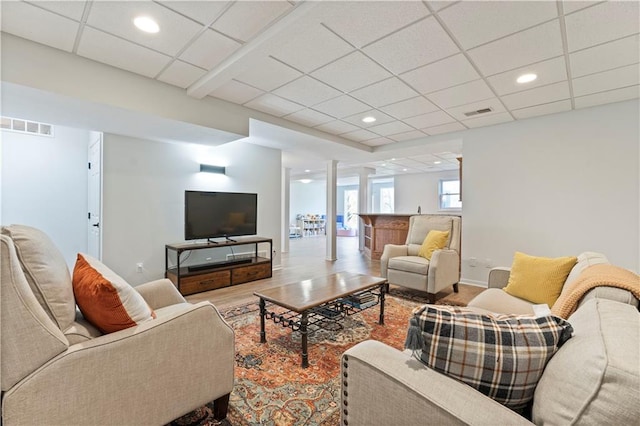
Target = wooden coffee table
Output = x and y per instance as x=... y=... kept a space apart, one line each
x=320 y=300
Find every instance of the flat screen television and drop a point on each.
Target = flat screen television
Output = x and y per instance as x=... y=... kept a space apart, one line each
x=219 y=214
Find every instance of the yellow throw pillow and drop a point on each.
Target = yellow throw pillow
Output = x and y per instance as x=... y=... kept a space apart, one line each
x=538 y=279
x=435 y=240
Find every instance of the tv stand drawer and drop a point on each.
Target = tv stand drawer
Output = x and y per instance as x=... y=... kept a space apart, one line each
x=250 y=273
x=205 y=282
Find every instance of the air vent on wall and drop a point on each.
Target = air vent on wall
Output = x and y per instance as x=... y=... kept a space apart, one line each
x=26 y=126
x=478 y=111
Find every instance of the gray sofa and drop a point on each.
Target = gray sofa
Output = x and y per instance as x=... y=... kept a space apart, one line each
x=594 y=378
x=60 y=370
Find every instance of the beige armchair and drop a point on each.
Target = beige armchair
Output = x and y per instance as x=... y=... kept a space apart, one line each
x=402 y=266
x=59 y=369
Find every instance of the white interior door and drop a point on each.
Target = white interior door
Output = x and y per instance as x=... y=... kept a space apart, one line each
x=94 y=246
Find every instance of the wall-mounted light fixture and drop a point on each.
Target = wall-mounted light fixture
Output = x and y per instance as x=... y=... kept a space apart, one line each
x=212 y=169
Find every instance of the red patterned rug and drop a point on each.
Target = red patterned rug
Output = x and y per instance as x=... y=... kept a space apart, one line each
x=272 y=388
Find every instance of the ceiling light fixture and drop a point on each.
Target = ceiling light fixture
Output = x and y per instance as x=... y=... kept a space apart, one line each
x=305 y=180
x=307 y=171
x=526 y=78
x=437 y=162
x=146 y=24
x=368 y=119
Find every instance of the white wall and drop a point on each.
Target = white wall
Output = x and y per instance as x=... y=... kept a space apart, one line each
x=552 y=186
x=307 y=198
x=44 y=184
x=420 y=189
x=143 y=196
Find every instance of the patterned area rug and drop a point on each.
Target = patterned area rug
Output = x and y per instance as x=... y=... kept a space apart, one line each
x=271 y=388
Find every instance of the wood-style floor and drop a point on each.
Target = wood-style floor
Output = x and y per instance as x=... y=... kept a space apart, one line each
x=307 y=259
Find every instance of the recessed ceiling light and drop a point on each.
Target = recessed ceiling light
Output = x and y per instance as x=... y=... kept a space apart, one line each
x=368 y=119
x=526 y=78
x=437 y=162
x=404 y=170
x=146 y=24
x=307 y=171
x=305 y=180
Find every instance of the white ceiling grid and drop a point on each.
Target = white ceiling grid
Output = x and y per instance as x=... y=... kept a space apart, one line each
x=417 y=66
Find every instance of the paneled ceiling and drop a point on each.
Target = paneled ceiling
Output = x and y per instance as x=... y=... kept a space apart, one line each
x=419 y=68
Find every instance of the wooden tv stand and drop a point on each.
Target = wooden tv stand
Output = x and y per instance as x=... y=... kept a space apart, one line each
x=210 y=276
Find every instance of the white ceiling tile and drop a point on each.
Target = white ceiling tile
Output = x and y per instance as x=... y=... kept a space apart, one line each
x=209 y=49
x=384 y=93
x=116 y=17
x=550 y=108
x=309 y=117
x=312 y=48
x=607 y=80
x=439 y=5
x=412 y=47
x=116 y=52
x=459 y=111
x=604 y=22
x=360 y=23
x=534 y=45
x=539 y=95
x=35 y=24
x=378 y=141
x=442 y=74
x=380 y=117
x=204 y=12
x=617 y=95
x=615 y=54
x=351 y=72
x=407 y=136
x=476 y=23
x=427 y=159
x=337 y=127
x=341 y=106
x=429 y=120
x=461 y=95
x=274 y=105
x=391 y=128
x=268 y=74
x=444 y=128
x=236 y=92
x=360 y=135
x=489 y=120
x=181 y=74
x=409 y=108
x=551 y=71
x=245 y=19
x=307 y=91
x=70 y=9
x=570 y=6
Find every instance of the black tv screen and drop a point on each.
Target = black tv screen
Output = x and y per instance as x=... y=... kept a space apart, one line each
x=219 y=214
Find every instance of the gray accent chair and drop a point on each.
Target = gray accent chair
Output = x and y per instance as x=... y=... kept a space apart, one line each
x=402 y=266
x=57 y=369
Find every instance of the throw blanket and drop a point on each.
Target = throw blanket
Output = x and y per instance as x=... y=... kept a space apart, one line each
x=592 y=277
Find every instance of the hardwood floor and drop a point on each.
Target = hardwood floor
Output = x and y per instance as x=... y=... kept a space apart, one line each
x=306 y=259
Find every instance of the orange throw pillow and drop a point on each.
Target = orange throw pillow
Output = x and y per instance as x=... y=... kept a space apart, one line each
x=105 y=299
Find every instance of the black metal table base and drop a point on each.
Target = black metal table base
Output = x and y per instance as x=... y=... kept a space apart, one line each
x=326 y=316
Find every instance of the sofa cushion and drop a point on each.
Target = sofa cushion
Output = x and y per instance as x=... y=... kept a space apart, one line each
x=46 y=272
x=435 y=240
x=105 y=299
x=502 y=356
x=595 y=377
x=586 y=259
x=497 y=301
x=414 y=264
x=538 y=279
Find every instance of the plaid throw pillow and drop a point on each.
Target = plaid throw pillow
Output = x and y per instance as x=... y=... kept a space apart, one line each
x=502 y=356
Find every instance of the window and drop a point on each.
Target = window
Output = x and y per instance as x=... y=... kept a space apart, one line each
x=449 y=194
x=386 y=200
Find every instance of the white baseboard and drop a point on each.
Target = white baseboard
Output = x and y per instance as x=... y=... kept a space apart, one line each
x=474 y=282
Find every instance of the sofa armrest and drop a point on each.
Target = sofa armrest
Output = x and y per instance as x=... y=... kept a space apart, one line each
x=499 y=277
x=444 y=270
x=160 y=293
x=383 y=386
x=389 y=251
x=148 y=374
